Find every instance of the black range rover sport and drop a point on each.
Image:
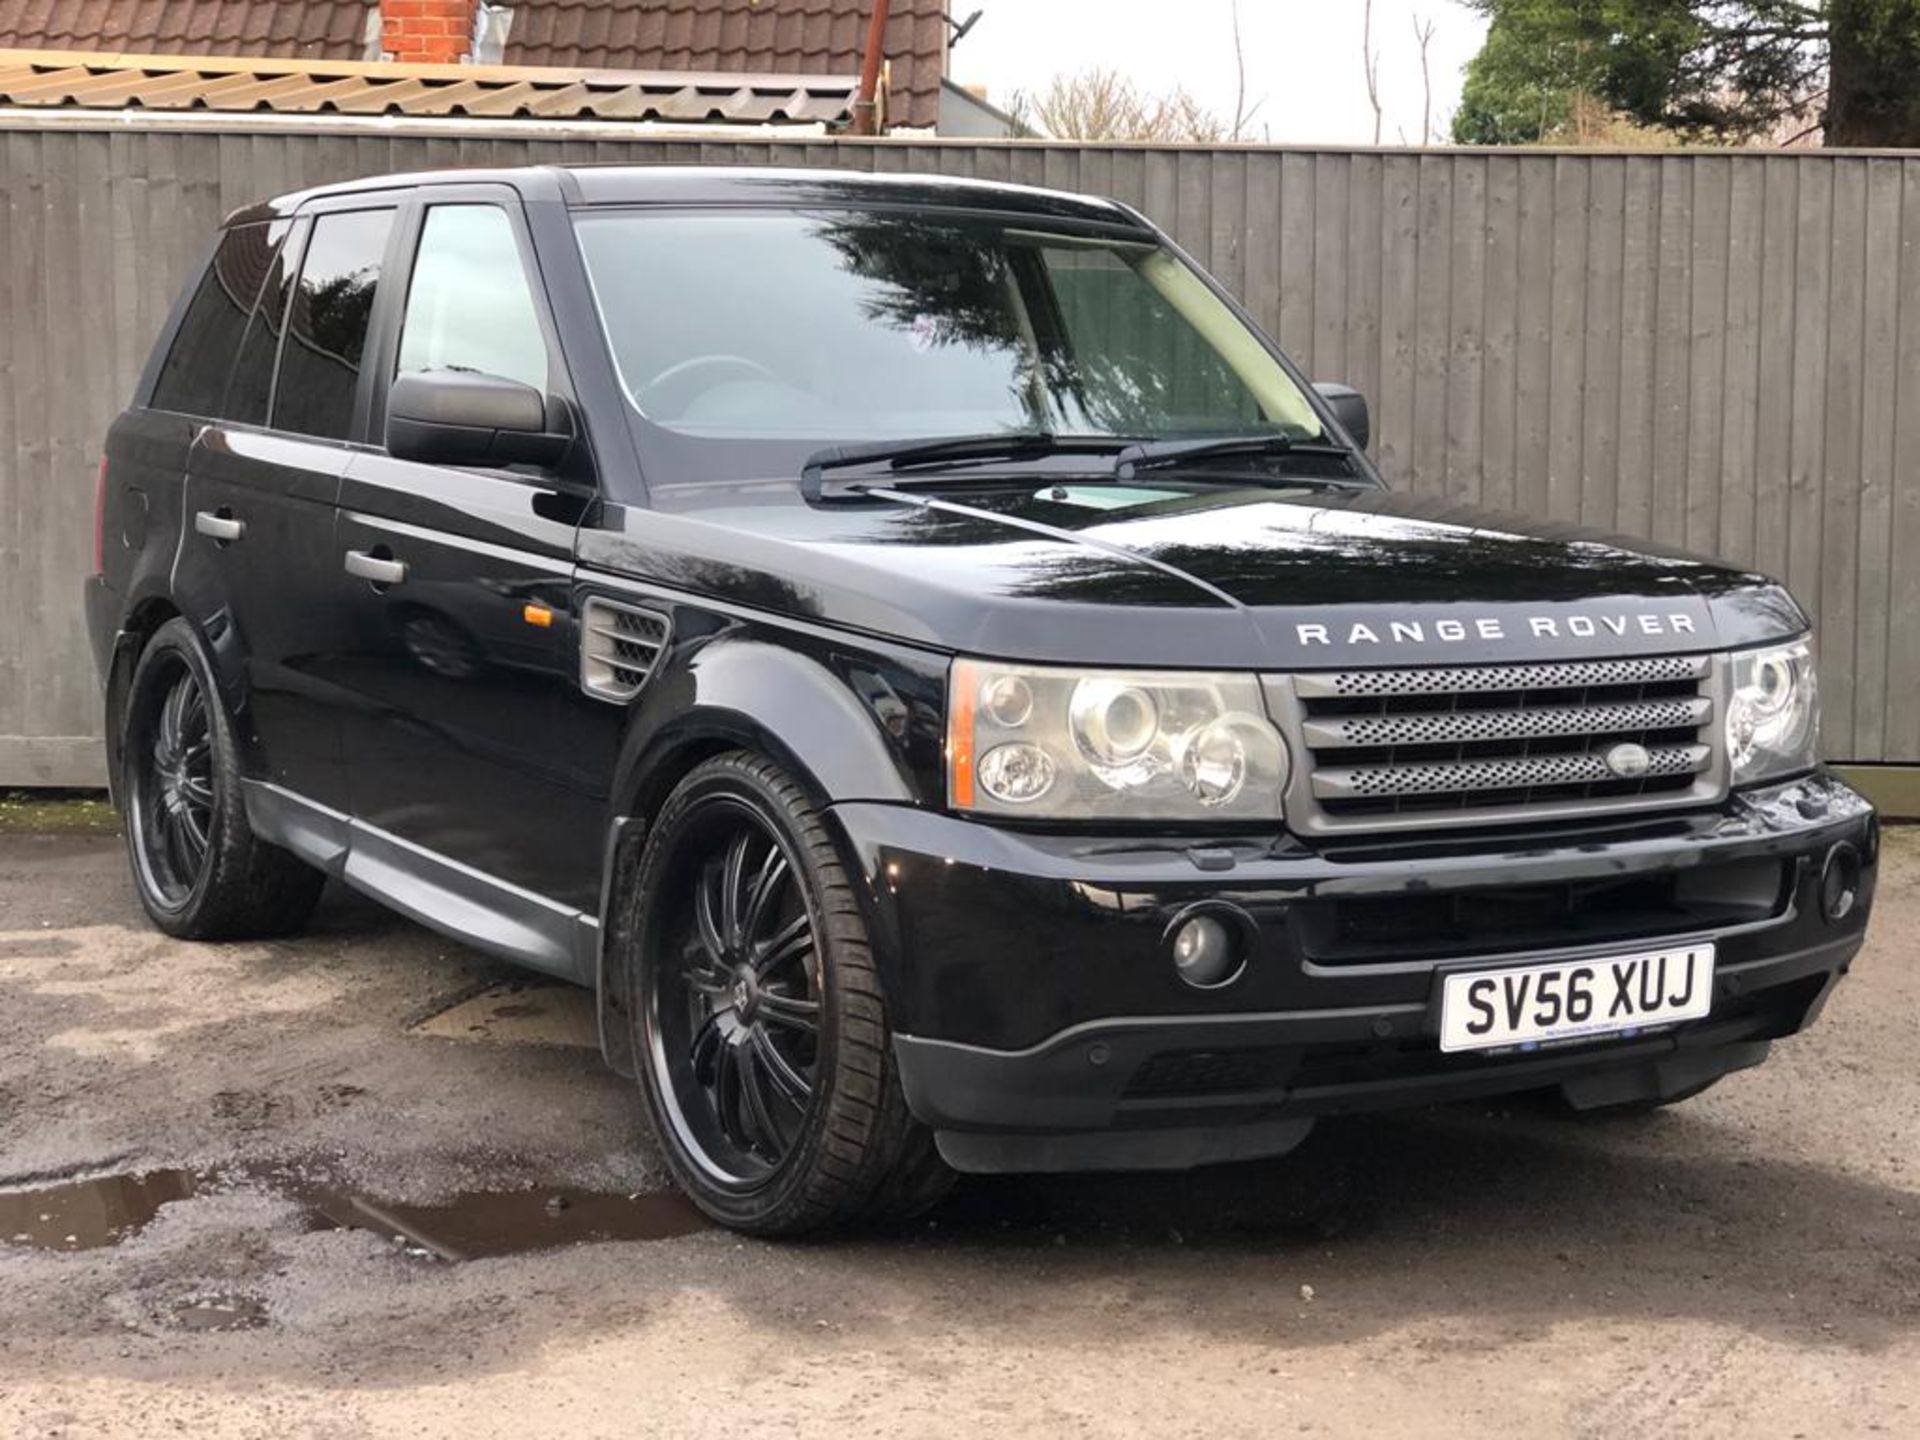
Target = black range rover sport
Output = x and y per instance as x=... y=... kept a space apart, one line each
x=939 y=674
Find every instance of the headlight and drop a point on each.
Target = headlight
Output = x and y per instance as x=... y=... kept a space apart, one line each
x=1111 y=745
x=1773 y=717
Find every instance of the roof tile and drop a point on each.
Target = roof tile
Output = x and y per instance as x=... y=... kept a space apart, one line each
x=757 y=36
x=751 y=36
x=309 y=29
x=73 y=80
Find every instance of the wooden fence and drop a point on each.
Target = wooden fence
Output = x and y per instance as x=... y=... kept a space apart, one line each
x=1716 y=349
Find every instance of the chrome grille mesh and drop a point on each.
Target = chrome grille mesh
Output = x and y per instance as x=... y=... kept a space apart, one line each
x=1476 y=679
x=1451 y=726
x=1485 y=744
x=619 y=645
x=1520 y=774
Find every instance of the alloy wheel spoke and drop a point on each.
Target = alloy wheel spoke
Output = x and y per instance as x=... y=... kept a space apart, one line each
x=193 y=713
x=701 y=1052
x=766 y=884
x=790 y=1012
x=732 y=877
x=787 y=1082
x=193 y=831
x=726 y=1092
x=790 y=942
x=706 y=916
x=173 y=843
x=759 y=1115
x=167 y=746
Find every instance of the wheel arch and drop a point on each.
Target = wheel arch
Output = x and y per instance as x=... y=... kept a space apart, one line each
x=142 y=621
x=747 y=696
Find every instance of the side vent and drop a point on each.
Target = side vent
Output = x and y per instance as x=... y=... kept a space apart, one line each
x=618 y=648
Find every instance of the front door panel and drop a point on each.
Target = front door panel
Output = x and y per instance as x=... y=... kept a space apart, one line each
x=454 y=591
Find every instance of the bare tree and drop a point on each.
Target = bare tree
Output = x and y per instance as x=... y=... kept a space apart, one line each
x=1423 y=29
x=1370 y=59
x=1106 y=105
x=1242 y=116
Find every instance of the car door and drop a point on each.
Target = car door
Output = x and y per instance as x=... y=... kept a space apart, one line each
x=455 y=583
x=253 y=565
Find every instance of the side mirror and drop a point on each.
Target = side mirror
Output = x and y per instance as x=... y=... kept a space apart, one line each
x=1349 y=408
x=462 y=417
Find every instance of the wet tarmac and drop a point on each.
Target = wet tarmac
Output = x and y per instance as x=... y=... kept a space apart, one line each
x=90 y=1212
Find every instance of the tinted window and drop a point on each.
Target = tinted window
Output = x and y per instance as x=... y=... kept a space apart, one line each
x=795 y=329
x=327 y=323
x=253 y=371
x=193 y=380
x=469 y=305
x=1142 y=368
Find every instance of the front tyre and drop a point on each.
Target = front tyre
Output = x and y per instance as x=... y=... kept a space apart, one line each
x=762 y=1038
x=200 y=871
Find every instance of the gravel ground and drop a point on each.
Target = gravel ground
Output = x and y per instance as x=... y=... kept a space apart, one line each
x=1747 y=1264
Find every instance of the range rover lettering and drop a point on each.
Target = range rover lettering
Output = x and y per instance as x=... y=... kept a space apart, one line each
x=954 y=692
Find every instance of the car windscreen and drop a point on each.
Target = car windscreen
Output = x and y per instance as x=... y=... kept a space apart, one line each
x=785 y=331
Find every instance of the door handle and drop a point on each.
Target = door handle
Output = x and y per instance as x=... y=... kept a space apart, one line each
x=218 y=527
x=378 y=568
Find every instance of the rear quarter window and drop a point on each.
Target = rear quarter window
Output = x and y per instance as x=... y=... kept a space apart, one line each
x=252 y=386
x=193 y=378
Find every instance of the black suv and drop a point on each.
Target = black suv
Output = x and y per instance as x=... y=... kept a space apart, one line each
x=938 y=673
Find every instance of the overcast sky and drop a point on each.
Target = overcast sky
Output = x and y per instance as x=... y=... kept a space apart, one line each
x=1303 y=57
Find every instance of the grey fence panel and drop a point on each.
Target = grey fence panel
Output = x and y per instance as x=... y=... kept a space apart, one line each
x=1718 y=350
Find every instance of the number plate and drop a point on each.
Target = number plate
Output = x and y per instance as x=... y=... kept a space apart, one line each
x=1530 y=1005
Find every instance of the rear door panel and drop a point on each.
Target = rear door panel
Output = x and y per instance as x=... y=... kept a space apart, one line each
x=265 y=599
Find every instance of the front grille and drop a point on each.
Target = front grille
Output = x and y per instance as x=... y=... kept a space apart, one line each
x=1485 y=744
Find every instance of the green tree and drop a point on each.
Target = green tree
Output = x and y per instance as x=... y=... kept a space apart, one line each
x=1715 y=70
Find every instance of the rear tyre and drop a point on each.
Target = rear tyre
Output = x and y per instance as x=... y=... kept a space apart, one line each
x=200 y=871
x=759 y=1028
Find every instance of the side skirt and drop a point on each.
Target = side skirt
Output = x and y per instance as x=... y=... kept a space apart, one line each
x=466 y=904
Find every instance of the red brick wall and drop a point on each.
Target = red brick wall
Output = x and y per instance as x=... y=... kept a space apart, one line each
x=426 y=32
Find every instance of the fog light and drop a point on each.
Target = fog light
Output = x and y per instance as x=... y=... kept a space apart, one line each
x=1204 y=952
x=1016 y=773
x=1840 y=882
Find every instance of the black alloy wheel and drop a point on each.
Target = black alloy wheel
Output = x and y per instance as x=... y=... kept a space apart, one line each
x=199 y=869
x=759 y=1020
x=737 y=1010
x=172 y=794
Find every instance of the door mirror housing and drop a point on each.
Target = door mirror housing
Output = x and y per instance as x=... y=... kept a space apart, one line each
x=462 y=417
x=1349 y=407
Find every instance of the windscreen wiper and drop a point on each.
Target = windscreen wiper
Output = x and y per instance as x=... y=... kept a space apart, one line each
x=896 y=456
x=1161 y=454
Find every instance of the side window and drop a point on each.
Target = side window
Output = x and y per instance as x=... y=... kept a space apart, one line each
x=327 y=323
x=470 y=306
x=193 y=379
x=253 y=371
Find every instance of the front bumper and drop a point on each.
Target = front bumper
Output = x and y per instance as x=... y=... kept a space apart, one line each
x=1041 y=1025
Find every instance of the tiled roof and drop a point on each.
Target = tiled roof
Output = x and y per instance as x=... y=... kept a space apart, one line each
x=794 y=36
x=758 y=37
x=308 y=29
x=117 y=82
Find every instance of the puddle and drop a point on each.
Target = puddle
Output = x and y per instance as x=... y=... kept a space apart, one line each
x=86 y=1214
x=220 y=1312
x=485 y=1224
x=520 y=1012
x=106 y=1209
